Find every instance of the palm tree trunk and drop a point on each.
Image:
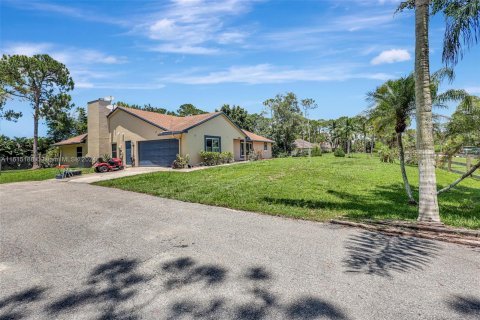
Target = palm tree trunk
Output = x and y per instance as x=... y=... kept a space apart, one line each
x=365 y=142
x=401 y=152
x=428 y=203
x=36 y=162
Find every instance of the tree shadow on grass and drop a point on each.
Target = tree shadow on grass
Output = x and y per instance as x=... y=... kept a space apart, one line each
x=383 y=202
x=466 y=306
x=378 y=254
x=16 y=306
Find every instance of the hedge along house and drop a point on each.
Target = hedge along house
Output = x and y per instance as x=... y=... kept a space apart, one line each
x=143 y=138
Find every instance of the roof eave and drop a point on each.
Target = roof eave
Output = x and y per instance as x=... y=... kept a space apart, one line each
x=137 y=116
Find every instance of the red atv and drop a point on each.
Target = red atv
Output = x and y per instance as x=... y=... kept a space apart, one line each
x=113 y=164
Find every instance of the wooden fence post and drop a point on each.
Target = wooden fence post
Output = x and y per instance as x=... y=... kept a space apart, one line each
x=469 y=162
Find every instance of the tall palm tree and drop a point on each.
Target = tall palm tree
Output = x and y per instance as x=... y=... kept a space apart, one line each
x=394 y=103
x=462 y=30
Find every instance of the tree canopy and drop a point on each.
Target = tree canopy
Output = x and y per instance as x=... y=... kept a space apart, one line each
x=189 y=109
x=40 y=80
x=238 y=115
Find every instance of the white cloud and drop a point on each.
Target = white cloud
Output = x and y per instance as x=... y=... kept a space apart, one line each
x=266 y=73
x=194 y=26
x=86 y=66
x=391 y=56
x=118 y=86
x=172 y=48
x=66 y=55
x=27 y=49
x=473 y=90
x=65 y=11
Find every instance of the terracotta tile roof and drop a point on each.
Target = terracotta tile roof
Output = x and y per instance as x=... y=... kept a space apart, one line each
x=255 y=137
x=302 y=144
x=74 y=140
x=168 y=122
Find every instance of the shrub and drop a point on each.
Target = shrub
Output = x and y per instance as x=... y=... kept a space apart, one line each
x=226 y=157
x=215 y=158
x=316 y=152
x=255 y=155
x=386 y=154
x=181 y=162
x=411 y=157
x=282 y=155
x=339 y=153
x=378 y=146
x=104 y=158
x=300 y=153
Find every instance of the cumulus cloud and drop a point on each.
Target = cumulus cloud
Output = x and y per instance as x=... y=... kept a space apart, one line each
x=391 y=56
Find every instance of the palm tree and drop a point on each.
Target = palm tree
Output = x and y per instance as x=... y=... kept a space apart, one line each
x=347 y=130
x=462 y=30
x=363 y=126
x=394 y=103
x=333 y=133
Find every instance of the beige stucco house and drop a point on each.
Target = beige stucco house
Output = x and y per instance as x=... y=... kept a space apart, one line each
x=143 y=138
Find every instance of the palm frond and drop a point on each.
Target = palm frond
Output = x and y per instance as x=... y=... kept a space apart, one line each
x=462 y=27
x=450 y=95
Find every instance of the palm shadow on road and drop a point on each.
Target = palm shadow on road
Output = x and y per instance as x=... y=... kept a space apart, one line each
x=379 y=254
x=126 y=289
x=465 y=306
x=18 y=305
x=108 y=288
x=256 y=281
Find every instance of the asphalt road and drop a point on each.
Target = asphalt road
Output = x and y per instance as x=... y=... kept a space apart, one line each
x=76 y=251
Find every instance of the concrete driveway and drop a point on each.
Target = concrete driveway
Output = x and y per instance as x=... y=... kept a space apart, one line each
x=77 y=251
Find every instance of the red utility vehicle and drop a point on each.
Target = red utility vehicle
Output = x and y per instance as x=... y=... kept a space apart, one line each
x=113 y=164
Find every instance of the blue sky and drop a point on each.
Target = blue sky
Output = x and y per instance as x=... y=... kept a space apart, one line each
x=208 y=53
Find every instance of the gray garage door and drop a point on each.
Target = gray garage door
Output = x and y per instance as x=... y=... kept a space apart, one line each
x=157 y=153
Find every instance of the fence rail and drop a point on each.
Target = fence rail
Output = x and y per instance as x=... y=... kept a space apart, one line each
x=469 y=162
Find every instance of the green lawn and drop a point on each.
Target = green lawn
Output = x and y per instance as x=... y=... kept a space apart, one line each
x=32 y=175
x=311 y=188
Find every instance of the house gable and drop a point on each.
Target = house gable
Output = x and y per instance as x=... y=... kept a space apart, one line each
x=124 y=126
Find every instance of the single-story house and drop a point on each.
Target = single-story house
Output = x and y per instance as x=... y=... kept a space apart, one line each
x=144 y=138
x=301 y=146
x=326 y=146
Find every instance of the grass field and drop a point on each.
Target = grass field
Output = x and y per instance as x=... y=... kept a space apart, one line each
x=32 y=175
x=318 y=188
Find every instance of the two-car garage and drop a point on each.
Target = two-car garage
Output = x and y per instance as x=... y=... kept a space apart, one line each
x=153 y=153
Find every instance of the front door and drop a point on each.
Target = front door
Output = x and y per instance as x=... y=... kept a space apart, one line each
x=128 y=153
